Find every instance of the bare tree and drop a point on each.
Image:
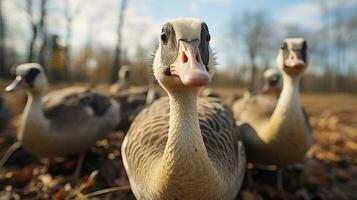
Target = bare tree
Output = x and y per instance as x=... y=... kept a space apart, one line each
x=2 y=44
x=69 y=16
x=34 y=29
x=117 y=54
x=253 y=29
x=43 y=31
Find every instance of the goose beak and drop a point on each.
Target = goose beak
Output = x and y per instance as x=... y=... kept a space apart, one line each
x=295 y=60
x=16 y=84
x=188 y=65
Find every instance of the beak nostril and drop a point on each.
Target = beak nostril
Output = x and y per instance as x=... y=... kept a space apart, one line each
x=197 y=57
x=184 y=57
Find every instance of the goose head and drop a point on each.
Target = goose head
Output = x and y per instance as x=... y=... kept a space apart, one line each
x=124 y=73
x=29 y=77
x=184 y=60
x=292 y=56
x=271 y=79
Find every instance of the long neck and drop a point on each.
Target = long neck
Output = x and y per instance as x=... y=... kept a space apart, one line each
x=287 y=117
x=185 y=159
x=184 y=135
x=33 y=121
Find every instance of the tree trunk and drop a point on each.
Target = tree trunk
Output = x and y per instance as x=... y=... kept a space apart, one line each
x=66 y=50
x=252 y=88
x=30 y=57
x=117 y=53
x=2 y=44
x=34 y=29
x=43 y=30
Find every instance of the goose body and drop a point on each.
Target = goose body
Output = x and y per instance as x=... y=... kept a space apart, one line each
x=182 y=146
x=256 y=109
x=284 y=136
x=132 y=101
x=63 y=122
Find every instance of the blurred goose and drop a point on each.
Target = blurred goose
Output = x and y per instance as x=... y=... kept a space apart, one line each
x=257 y=109
x=208 y=92
x=64 y=122
x=123 y=80
x=184 y=147
x=5 y=114
x=272 y=79
x=284 y=137
x=133 y=100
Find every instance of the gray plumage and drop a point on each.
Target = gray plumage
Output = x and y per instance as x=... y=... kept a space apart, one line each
x=150 y=129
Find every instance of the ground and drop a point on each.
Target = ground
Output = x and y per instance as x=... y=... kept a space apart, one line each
x=329 y=171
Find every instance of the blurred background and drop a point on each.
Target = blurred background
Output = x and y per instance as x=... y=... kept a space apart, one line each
x=82 y=40
x=86 y=41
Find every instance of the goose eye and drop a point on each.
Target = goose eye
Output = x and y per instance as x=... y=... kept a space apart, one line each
x=208 y=37
x=163 y=38
x=283 y=46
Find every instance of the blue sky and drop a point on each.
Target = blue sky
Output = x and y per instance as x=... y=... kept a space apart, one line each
x=144 y=19
x=218 y=13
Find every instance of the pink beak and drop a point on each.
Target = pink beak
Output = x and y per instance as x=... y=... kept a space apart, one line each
x=16 y=84
x=188 y=65
x=295 y=60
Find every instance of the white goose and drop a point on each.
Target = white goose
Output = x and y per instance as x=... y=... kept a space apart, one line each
x=63 y=122
x=285 y=136
x=286 y=132
x=184 y=147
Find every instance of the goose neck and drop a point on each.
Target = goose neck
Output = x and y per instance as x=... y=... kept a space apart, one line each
x=184 y=126
x=33 y=119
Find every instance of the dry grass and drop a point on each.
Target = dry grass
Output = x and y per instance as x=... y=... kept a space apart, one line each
x=329 y=172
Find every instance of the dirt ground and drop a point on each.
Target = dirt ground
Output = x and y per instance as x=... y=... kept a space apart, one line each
x=329 y=171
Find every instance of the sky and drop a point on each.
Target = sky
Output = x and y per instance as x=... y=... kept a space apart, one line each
x=144 y=19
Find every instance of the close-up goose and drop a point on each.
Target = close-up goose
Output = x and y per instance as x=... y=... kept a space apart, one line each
x=257 y=108
x=183 y=146
x=64 y=122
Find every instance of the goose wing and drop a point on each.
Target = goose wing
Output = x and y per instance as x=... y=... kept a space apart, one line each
x=220 y=133
x=75 y=105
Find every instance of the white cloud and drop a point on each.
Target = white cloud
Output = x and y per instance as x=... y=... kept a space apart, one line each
x=305 y=14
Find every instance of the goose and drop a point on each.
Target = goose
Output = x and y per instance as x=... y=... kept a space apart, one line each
x=133 y=100
x=123 y=80
x=5 y=113
x=258 y=108
x=284 y=137
x=208 y=92
x=64 y=122
x=181 y=146
x=271 y=81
